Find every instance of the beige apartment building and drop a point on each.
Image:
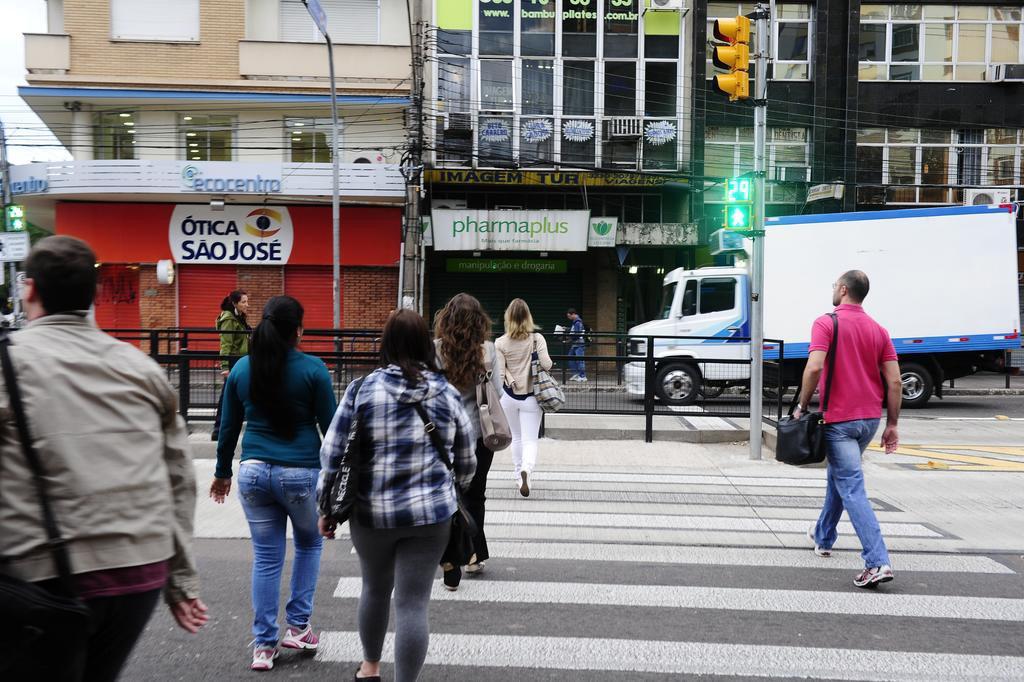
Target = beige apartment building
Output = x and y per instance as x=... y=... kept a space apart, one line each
x=200 y=132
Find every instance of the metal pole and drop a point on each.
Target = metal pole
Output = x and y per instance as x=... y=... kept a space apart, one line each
x=763 y=27
x=12 y=269
x=335 y=191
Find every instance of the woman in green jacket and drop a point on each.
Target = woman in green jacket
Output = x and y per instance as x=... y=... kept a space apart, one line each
x=234 y=338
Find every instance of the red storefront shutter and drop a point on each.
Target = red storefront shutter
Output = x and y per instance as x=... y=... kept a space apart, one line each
x=201 y=288
x=117 y=298
x=312 y=285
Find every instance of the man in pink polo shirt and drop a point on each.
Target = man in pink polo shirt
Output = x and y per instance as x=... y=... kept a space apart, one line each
x=864 y=356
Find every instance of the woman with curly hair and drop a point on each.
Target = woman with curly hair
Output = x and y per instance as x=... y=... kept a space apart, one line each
x=461 y=333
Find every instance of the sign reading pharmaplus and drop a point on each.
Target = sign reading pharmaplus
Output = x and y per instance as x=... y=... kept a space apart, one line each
x=230 y=178
x=472 y=230
x=252 y=235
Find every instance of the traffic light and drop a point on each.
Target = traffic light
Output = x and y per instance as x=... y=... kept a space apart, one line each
x=14 y=218
x=734 y=56
x=739 y=199
x=738 y=217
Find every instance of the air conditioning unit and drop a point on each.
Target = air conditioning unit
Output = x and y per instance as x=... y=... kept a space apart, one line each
x=1006 y=73
x=665 y=5
x=368 y=156
x=988 y=196
x=454 y=121
x=791 y=173
x=624 y=126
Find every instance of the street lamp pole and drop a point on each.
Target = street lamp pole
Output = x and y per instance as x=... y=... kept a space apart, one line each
x=316 y=11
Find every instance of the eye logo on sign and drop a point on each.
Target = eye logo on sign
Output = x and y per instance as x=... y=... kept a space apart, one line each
x=263 y=223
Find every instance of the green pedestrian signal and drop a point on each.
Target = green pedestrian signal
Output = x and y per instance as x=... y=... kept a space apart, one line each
x=738 y=217
x=14 y=216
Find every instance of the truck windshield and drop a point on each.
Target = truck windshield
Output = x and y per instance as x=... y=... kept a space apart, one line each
x=667 y=296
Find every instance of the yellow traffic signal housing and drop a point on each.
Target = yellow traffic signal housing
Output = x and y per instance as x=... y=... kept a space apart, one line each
x=736 y=85
x=734 y=30
x=733 y=58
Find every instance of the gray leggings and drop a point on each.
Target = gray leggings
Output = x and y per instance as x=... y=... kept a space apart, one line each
x=405 y=560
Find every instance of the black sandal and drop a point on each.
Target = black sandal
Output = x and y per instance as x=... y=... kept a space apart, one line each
x=355 y=676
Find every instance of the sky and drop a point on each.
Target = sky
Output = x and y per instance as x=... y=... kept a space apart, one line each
x=22 y=126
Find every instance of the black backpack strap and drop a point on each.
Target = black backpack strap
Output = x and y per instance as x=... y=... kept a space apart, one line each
x=435 y=437
x=55 y=542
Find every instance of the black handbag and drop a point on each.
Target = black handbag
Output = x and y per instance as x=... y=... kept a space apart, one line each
x=802 y=441
x=38 y=621
x=338 y=494
x=459 y=551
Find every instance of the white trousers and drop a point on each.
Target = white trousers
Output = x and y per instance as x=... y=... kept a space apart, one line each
x=524 y=422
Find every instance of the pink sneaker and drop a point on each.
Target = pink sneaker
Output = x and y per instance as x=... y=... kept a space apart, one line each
x=263 y=657
x=300 y=638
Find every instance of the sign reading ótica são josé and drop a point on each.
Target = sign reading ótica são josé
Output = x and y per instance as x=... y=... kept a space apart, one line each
x=252 y=235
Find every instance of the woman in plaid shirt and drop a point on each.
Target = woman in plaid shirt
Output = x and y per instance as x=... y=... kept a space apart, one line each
x=406 y=496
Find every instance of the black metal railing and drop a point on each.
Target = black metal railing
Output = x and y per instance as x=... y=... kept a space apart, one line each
x=625 y=374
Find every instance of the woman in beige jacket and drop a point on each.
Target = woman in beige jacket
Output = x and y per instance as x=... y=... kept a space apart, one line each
x=515 y=352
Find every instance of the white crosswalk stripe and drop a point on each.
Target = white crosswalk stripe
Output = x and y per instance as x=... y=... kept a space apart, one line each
x=597 y=546
x=688 y=658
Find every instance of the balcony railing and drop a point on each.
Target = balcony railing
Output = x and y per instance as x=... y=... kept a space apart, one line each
x=358 y=180
x=47 y=52
x=378 y=66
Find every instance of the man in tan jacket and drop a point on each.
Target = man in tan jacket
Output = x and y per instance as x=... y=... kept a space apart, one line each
x=118 y=470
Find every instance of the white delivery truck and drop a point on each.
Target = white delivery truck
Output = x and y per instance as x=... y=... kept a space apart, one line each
x=943 y=282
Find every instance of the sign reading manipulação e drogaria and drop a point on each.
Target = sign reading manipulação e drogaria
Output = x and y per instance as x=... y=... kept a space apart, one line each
x=252 y=235
x=473 y=230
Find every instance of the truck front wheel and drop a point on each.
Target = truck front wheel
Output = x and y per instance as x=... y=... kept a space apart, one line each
x=677 y=384
x=918 y=385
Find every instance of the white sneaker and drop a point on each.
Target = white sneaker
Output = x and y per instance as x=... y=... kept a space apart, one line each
x=263 y=657
x=818 y=549
x=478 y=567
x=300 y=638
x=870 y=577
x=582 y=380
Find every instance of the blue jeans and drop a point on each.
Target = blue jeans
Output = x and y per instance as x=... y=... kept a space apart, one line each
x=846 y=442
x=271 y=495
x=578 y=367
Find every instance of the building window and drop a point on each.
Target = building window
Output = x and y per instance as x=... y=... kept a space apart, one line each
x=579 y=28
x=309 y=139
x=496 y=85
x=621 y=28
x=155 y=20
x=578 y=88
x=538 y=86
x=937 y=42
x=207 y=138
x=496 y=27
x=912 y=166
x=791 y=47
x=454 y=90
x=729 y=152
x=537 y=28
x=620 y=89
x=114 y=135
x=348 y=21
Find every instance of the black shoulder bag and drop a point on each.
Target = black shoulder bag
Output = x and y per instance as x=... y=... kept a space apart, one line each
x=459 y=551
x=802 y=441
x=338 y=494
x=37 y=622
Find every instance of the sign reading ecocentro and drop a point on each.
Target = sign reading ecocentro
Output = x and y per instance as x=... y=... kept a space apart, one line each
x=472 y=230
x=230 y=178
